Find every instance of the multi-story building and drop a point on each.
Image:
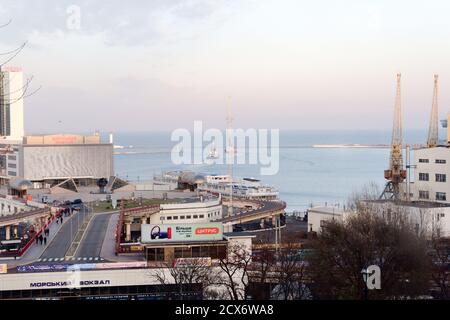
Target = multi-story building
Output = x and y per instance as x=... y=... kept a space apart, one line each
x=11 y=102
x=431 y=175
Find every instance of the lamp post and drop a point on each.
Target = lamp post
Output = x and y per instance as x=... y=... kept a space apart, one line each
x=365 y=275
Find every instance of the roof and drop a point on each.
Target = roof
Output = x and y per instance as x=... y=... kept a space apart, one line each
x=327 y=210
x=20 y=184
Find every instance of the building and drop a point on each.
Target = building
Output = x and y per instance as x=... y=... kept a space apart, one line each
x=188 y=210
x=427 y=217
x=319 y=216
x=430 y=175
x=11 y=103
x=50 y=160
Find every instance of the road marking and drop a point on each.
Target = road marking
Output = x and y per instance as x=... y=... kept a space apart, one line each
x=96 y=258
x=79 y=259
x=39 y=260
x=50 y=259
x=90 y=258
x=84 y=259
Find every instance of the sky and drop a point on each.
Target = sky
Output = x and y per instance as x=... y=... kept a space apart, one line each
x=286 y=64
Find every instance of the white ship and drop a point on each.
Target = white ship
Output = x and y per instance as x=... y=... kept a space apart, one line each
x=213 y=153
x=247 y=188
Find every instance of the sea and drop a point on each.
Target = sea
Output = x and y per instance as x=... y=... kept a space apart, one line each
x=307 y=175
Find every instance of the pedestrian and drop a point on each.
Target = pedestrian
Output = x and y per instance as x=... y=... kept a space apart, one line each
x=45 y=240
x=37 y=239
x=61 y=219
x=57 y=220
x=40 y=239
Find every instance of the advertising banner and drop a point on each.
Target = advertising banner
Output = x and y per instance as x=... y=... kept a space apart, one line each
x=151 y=233
x=3 y=268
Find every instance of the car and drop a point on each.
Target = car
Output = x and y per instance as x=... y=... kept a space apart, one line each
x=77 y=201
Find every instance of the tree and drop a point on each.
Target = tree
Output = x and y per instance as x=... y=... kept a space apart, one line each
x=233 y=272
x=440 y=274
x=290 y=273
x=184 y=273
x=343 y=249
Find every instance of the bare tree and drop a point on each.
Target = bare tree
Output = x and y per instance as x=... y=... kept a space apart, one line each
x=343 y=249
x=233 y=273
x=290 y=273
x=440 y=255
x=184 y=273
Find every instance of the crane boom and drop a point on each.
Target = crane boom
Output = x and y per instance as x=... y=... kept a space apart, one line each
x=395 y=174
x=433 y=133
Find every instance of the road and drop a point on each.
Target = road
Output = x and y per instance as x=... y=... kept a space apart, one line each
x=91 y=244
x=61 y=242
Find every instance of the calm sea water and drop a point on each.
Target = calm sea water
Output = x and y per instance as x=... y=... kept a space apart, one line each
x=306 y=176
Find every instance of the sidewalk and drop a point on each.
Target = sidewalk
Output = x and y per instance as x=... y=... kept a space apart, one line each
x=109 y=244
x=35 y=251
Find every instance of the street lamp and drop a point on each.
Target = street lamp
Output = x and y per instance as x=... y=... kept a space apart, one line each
x=365 y=275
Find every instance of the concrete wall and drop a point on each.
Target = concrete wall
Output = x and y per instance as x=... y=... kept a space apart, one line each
x=38 y=162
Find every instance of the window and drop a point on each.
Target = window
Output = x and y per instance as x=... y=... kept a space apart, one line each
x=12 y=165
x=11 y=173
x=12 y=157
x=441 y=196
x=440 y=161
x=181 y=217
x=440 y=177
x=195 y=216
x=188 y=217
x=424 y=160
x=201 y=216
x=424 y=194
x=169 y=218
x=175 y=217
x=423 y=176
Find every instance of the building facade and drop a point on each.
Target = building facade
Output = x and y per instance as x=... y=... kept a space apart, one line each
x=431 y=175
x=11 y=102
x=51 y=159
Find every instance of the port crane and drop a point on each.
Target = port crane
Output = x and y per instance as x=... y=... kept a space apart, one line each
x=396 y=174
x=433 y=137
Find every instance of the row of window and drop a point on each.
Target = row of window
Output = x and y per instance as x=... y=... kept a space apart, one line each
x=214 y=252
x=195 y=216
x=439 y=177
x=440 y=161
x=188 y=216
x=440 y=196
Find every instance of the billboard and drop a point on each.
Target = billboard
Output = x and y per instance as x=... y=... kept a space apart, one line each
x=151 y=233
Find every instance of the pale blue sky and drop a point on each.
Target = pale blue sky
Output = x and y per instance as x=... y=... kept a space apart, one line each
x=289 y=64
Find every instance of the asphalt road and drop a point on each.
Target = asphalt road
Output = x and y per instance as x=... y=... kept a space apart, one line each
x=91 y=244
x=63 y=239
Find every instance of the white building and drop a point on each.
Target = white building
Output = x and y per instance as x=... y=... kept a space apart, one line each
x=319 y=216
x=432 y=169
x=189 y=211
x=431 y=218
x=11 y=103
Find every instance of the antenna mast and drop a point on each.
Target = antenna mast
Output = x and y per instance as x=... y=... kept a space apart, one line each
x=230 y=153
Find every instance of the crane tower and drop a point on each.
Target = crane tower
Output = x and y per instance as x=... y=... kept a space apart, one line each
x=395 y=174
x=433 y=128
